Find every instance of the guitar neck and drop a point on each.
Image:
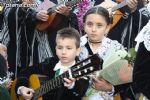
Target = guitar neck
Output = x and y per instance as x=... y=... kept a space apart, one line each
x=69 y=3
x=120 y=5
x=50 y=85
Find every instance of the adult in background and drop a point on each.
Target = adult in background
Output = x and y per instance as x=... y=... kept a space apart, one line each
x=129 y=25
x=26 y=44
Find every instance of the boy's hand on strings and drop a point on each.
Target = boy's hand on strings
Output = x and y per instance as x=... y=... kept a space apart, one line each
x=69 y=82
x=27 y=93
x=101 y=84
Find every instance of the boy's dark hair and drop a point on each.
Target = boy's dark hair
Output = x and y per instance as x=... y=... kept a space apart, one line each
x=98 y=10
x=69 y=33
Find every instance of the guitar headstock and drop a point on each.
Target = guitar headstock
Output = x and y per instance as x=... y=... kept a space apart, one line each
x=87 y=66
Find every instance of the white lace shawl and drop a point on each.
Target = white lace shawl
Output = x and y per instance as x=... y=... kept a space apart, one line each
x=106 y=44
x=144 y=36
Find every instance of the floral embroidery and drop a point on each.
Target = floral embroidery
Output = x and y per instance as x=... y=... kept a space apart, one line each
x=106 y=42
x=144 y=36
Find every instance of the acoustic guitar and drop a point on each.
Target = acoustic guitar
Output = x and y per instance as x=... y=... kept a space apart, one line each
x=84 y=67
x=53 y=16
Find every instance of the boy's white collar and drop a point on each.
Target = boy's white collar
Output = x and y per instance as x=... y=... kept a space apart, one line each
x=61 y=67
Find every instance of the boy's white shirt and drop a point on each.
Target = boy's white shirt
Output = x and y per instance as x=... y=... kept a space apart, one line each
x=62 y=68
x=102 y=50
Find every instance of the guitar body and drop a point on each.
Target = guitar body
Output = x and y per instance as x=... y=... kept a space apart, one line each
x=44 y=25
x=116 y=17
x=13 y=95
x=35 y=83
x=53 y=20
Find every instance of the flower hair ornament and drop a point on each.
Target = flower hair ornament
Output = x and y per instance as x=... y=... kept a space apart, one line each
x=81 y=9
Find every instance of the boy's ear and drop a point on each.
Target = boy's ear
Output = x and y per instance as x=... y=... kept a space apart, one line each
x=78 y=51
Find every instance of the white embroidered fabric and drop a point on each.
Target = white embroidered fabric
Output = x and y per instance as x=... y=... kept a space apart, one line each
x=106 y=43
x=144 y=36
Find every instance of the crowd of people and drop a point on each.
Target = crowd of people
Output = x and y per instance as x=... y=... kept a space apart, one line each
x=48 y=39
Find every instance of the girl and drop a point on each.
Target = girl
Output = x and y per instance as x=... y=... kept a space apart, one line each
x=96 y=26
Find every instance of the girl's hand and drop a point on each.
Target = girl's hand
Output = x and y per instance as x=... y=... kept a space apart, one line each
x=101 y=84
x=69 y=82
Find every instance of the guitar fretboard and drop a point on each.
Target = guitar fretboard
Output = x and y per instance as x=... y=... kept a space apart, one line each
x=50 y=85
x=122 y=4
x=69 y=3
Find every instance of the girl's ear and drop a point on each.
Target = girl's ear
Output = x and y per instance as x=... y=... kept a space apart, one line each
x=78 y=51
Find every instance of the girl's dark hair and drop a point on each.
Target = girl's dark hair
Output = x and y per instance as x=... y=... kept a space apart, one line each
x=3 y=66
x=98 y=10
x=69 y=33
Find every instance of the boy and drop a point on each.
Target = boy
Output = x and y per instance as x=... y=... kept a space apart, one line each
x=67 y=48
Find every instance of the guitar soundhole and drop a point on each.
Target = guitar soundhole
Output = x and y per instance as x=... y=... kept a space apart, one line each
x=43 y=78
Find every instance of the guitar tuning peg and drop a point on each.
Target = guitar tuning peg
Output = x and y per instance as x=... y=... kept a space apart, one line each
x=91 y=68
x=85 y=70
